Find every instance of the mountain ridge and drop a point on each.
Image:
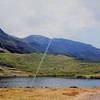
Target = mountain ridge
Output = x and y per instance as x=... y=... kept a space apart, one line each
x=66 y=47
x=14 y=44
x=59 y=46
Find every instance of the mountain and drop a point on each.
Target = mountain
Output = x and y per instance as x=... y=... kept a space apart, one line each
x=65 y=47
x=59 y=46
x=3 y=50
x=14 y=45
x=40 y=41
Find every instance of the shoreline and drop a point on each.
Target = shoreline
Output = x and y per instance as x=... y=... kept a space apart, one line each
x=54 y=76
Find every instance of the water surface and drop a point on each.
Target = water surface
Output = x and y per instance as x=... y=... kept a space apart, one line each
x=50 y=82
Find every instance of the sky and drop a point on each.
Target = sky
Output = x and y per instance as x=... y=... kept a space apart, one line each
x=77 y=20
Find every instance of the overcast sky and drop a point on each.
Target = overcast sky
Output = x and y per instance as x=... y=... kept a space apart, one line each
x=71 y=19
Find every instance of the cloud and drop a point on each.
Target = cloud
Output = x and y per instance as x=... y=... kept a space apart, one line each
x=57 y=18
x=93 y=6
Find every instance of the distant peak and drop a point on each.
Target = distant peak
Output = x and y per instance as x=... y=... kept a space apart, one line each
x=37 y=36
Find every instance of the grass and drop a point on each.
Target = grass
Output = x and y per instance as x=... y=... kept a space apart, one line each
x=45 y=93
x=52 y=66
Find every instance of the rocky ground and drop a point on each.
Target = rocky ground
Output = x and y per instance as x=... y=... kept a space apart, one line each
x=11 y=72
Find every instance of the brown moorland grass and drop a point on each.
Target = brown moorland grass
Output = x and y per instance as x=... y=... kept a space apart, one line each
x=44 y=93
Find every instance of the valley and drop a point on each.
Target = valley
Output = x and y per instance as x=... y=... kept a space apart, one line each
x=12 y=64
x=49 y=50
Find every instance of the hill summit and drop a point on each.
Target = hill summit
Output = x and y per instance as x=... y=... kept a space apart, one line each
x=65 y=47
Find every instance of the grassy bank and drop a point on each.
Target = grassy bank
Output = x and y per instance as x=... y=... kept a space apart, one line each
x=62 y=66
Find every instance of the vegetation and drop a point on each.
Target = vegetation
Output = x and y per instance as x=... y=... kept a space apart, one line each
x=48 y=93
x=52 y=65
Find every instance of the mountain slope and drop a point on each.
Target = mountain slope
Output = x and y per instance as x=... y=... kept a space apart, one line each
x=14 y=45
x=52 y=65
x=40 y=41
x=66 y=47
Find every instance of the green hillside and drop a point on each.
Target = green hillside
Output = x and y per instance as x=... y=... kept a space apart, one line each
x=52 y=66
